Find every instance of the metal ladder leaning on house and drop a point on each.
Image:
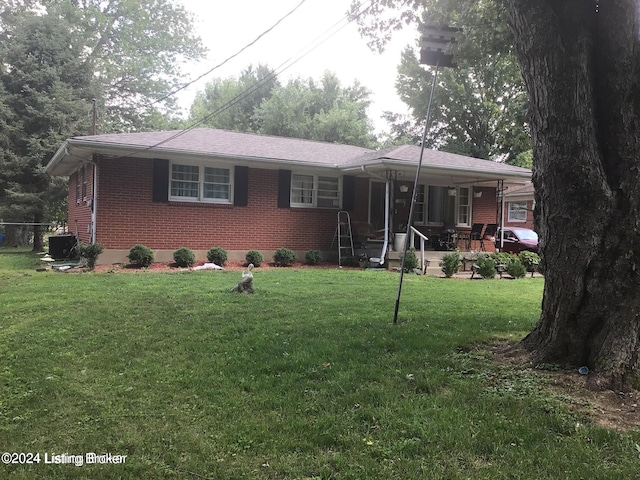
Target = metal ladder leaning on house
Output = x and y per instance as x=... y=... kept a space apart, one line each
x=344 y=236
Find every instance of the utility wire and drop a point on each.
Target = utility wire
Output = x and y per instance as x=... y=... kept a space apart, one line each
x=315 y=43
x=280 y=20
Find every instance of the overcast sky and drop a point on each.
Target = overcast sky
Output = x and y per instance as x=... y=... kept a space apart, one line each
x=227 y=26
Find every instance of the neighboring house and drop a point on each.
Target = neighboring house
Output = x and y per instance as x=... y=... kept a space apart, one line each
x=202 y=188
x=519 y=203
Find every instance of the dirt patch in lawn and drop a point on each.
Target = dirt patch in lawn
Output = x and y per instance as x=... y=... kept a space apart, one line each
x=614 y=410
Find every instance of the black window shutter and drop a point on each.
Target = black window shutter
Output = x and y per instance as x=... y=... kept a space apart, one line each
x=348 y=192
x=160 y=180
x=241 y=186
x=284 y=188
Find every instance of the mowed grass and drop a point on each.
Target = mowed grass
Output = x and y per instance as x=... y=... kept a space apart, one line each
x=305 y=379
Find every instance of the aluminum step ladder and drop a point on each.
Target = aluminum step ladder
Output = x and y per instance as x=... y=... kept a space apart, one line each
x=344 y=236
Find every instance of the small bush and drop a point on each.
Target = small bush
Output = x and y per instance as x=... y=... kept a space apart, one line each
x=141 y=256
x=410 y=260
x=283 y=257
x=255 y=257
x=89 y=252
x=184 y=257
x=486 y=267
x=530 y=260
x=515 y=268
x=217 y=255
x=451 y=264
x=313 y=257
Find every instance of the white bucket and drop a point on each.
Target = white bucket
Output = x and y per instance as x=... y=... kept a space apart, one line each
x=399 y=241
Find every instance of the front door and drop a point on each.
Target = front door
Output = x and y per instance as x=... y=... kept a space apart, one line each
x=376 y=205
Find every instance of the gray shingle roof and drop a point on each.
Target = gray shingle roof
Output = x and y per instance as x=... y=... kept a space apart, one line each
x=253 y=149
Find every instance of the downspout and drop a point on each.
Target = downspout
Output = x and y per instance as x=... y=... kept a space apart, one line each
x=94 y=200
x=380 y=260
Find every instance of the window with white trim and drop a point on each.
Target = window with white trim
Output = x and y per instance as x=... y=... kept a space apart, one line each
x=464 y=207
x=315 y=191
x=200 y=183
x=517 y=211
x=435 y=206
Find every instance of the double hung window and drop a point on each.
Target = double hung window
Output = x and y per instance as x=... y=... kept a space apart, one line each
x=200 y=183
x=315 y=191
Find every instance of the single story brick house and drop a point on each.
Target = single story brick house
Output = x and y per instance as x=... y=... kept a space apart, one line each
x=204 y=187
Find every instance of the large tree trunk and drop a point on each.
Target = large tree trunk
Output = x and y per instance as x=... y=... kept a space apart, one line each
x=580 y=61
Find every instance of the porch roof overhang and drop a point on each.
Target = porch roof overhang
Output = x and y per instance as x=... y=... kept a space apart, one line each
x=439 y=168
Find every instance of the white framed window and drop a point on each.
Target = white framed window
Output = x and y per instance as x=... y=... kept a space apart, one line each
x=436 y=206
x=319 y=191
x=464 y=207
x=200 y=183
x=517 y=211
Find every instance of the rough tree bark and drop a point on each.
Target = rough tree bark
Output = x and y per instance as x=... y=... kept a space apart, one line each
x=581 y=62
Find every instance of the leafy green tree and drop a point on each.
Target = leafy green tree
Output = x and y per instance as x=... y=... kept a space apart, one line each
x=323 y=111
x=46 y=90
x=230 y=103
x=135 y=50
x=479 y=109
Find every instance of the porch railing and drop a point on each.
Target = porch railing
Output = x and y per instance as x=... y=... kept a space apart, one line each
x=423 y=240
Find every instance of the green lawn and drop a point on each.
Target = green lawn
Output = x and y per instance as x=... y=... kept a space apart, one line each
x=306 y=379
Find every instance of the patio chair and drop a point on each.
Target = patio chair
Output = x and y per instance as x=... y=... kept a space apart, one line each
x=475 y=234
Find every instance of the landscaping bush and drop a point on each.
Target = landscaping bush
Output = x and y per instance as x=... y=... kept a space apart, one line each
x=451 y=264
x=313 y=257
x=255 y=257
x=217 y=255
x=410 y=260
x=486 y=267
x=184 y=257
x=141 y=256
x=283 y=257
x=530 y=260
x=515 y=268
x=89 y=252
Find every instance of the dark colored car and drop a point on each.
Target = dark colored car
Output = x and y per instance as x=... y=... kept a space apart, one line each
x=518 y=239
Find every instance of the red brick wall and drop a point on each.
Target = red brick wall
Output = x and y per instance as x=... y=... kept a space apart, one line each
x=127 y=216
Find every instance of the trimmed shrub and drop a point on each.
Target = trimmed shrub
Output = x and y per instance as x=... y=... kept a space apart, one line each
x=184 y=257
x=486 y=267
x=255 y=257
x=450 y=264
x=313 y=257
x=217 y=255
x=89 y=252
x=410 y=260
x=530 y=260
x=515 y=268
x=283 y=257
x=141 y=256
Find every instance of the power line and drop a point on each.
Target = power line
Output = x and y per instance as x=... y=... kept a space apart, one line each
x=281 y=19
x=311 y=46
